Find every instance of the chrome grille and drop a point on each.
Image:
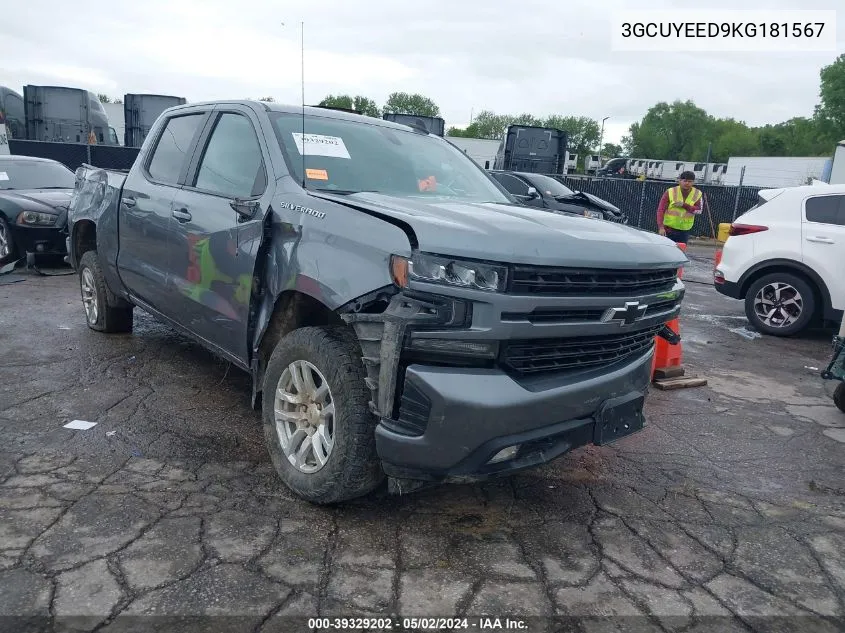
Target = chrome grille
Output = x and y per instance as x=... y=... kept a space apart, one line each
x=577 y=315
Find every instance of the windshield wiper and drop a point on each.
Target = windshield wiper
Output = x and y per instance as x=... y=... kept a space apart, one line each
x=343 y=192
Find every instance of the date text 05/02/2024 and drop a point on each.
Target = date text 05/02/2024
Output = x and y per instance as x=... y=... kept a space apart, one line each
x=418 y=624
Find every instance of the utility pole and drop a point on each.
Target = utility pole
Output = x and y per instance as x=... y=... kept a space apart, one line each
x=707 y=162
x=601 y=140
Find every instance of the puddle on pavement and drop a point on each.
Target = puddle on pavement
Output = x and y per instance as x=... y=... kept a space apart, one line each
x=756 y=388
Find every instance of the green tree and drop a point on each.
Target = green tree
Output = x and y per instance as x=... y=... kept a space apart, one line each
x=405 y=103
x=612 y=150
x=337 y=101
x=487 y=124
x=583 y=132
x=367 y=106
x=677 y=131
x=118 y=101
x=364 y=105
x=629 y=146
x=830 y=112
x=729 y=138
x=104 y=98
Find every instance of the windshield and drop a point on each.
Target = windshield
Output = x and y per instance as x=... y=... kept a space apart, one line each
x=353 y=156
x=25 y=174
x=551 y=187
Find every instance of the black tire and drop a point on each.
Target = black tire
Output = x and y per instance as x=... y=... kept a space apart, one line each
x=6 y=236
x=839 y=397
x=112 y=315
x=352 y=468
x=807 y=304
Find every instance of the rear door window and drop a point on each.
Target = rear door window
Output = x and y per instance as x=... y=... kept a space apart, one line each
x=826 y=210
x=170 y=156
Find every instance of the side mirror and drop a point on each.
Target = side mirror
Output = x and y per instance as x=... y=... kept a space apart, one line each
x=246 y=209
x=532 y=193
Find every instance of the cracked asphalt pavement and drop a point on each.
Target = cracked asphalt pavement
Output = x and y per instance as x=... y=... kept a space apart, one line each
x=726 y=513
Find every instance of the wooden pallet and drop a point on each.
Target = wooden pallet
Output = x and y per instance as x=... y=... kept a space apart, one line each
x=671 y=384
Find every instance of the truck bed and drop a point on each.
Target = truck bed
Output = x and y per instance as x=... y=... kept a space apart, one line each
x=97 y=193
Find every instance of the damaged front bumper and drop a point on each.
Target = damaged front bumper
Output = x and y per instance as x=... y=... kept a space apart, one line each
x=464 y=423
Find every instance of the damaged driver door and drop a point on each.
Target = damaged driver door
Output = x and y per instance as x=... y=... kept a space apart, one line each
x=218 y=219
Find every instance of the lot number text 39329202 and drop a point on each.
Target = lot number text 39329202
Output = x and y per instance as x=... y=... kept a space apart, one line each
x=417 y=624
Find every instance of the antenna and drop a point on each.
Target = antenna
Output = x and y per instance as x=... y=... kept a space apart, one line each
x=302 y=57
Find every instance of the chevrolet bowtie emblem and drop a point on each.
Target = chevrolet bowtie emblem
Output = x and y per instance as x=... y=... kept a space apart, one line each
x=628 y=315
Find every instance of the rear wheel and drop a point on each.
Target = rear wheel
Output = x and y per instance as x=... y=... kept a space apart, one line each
x=317 y=423
x=103 y=311
x=780 y=304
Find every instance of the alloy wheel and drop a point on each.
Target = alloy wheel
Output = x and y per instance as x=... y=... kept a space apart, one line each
x=89 y=296
x=778 y=305
x=304 y=416
x=5 y=247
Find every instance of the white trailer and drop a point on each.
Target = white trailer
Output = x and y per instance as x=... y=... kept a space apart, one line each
x=591 y=163
x=837 y=168
x=571 y=163
x=482 y=151
x=716 y=173
x=775 y=171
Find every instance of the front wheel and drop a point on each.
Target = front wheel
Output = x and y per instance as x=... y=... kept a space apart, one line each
x=780 y=304
x=103 y=311
x=839 y=397
x=7 y=244
x=317 y=423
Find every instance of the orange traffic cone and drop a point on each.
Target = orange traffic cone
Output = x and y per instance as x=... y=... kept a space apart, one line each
x=667 y=370
x=668 y=357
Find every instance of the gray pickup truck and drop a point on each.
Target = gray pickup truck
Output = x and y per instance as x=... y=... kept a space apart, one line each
x=401 y=315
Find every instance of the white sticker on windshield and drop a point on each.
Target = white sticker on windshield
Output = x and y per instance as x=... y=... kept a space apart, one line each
x=320 y=145
x=4 y=175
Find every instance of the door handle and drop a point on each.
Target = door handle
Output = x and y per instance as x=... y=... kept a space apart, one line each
x=181 y=214
x=820 y=240
x=129 y=202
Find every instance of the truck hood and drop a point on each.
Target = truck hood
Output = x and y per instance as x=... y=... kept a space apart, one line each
x=516 y=234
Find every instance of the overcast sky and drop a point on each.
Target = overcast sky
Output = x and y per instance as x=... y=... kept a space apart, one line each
x=534 y=56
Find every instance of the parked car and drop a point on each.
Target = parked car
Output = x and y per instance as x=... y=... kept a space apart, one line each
x=398 y=312
x=785 y=258
x=545 y=192
x=34 y=197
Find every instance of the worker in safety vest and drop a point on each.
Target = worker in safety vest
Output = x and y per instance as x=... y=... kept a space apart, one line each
x=678 y=208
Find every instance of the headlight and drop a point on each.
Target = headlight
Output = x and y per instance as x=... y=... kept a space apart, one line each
x=33 y=218
x=437 y=269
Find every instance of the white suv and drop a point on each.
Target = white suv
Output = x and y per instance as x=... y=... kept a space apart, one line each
x=786 y=258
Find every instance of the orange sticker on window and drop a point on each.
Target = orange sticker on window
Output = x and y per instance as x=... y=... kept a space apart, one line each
x=317 y=174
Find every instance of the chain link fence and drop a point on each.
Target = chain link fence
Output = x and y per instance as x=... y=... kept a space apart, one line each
x=72 y=155
x=639 y=200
